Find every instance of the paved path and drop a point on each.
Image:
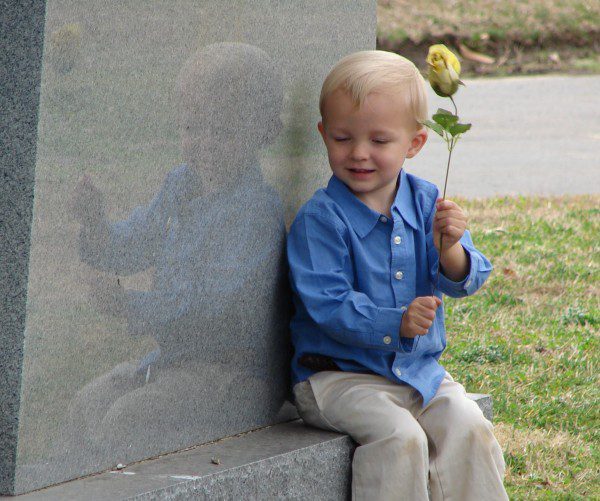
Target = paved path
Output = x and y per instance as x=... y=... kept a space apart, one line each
x=531 y=135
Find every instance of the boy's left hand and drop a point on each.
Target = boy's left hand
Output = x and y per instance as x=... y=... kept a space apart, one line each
x=450 y=221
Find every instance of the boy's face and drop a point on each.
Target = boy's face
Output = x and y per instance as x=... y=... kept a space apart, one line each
x=367 y=145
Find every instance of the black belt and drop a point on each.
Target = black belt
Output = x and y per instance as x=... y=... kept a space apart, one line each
x=318 y=363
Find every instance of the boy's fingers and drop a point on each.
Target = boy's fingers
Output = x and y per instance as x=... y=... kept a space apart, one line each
x=421 y=315
x=426 y=315
x=419 y=322
x=434 y=302
x=455 y=212
x=445 y=203
x=428 y=303
x=450 y=230
x=448 y=213
x=420 y=302
x=450 y=225
x=423 y=326
x=455 y=221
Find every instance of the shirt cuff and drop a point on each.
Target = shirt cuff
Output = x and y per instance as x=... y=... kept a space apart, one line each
x=386 y=331
x=467 y=285
x=407 y=344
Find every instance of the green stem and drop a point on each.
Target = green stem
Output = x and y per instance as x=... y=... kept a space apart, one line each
x=448 y=167
x=455 y=108
x=451 y=147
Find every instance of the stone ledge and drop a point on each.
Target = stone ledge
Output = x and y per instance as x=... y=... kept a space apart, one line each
x=285 y=461
x=288 y=460
x=485 y=404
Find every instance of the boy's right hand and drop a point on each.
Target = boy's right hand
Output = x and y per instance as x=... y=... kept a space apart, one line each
x=418 y=317
x=88 y=203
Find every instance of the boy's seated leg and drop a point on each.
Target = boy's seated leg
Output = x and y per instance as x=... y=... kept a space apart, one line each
x=465 y=458
x=391 y=461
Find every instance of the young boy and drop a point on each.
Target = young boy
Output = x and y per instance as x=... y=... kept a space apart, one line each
x=369 y=323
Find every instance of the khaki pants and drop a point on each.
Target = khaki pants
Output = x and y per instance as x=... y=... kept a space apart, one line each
x=403 y=446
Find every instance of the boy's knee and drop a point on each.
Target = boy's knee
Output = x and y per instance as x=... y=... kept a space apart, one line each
x=461 y=417
x=476 y=433
x=477 y=428
x=459 y=411
x=409 y=440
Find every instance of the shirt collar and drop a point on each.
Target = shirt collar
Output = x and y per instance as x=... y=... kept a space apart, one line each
x=404 y=203
x=363 y=217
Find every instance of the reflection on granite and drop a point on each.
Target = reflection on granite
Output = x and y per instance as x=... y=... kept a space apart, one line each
x=218 y=307
x=174 y=144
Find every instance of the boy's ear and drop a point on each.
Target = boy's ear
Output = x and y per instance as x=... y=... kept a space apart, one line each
x=321 y=129
x=418 y=141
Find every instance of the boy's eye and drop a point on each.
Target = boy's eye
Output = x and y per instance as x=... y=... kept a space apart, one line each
x=380 y=141
x=340 y=138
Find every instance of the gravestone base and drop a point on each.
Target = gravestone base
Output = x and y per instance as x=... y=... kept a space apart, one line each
x=285 y=461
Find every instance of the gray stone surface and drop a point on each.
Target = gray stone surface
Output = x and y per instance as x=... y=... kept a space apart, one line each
x=285 y=461
x=485 y=404
x=535 y=135
x=131 y=251
x=21 y=36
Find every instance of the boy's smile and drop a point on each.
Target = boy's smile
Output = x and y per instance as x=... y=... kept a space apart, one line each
x=367 y=145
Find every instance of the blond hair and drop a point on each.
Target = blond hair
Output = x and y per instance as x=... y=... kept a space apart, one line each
x=365 y=72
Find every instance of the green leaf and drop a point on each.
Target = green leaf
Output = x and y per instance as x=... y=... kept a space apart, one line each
x=435 y=127
x=445 y=120
x=459 y=129
x=442 y=111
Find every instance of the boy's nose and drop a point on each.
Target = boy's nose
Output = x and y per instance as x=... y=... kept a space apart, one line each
x=359 y=152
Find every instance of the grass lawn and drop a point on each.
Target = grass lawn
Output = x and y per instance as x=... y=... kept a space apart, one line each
x=523 y=37
x=530 y=337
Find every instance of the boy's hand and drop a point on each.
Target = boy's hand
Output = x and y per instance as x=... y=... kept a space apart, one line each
x=417 y=319
x=450 y=221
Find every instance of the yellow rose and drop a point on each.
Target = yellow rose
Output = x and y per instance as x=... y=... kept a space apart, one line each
x=444 y=70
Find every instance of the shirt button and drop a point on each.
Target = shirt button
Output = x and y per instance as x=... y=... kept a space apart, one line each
x=387 y=339
x=398 y=372
x=399 y=275
x=383 y=219
x=397 y=240
x=467 y=283
x=403 y=308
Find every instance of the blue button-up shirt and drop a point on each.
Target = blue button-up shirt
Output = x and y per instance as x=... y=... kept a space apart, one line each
x=353 y=273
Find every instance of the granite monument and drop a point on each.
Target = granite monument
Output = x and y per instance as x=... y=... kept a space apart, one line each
x=153 y=156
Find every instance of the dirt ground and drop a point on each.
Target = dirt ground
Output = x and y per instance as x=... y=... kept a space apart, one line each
x=512 y=37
